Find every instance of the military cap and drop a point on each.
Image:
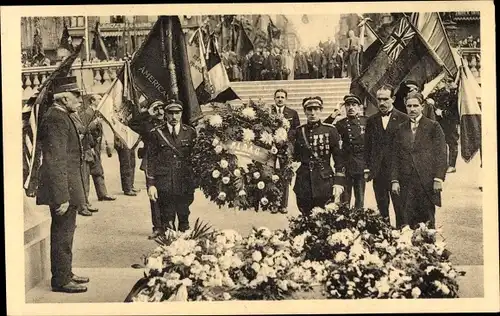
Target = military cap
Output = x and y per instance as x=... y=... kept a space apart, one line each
x=412 y=83
x=351 y=98
x=312 y=102
x=173 y=105
x=65 y=84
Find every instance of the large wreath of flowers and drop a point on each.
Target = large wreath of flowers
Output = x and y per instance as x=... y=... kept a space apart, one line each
x=242 y=157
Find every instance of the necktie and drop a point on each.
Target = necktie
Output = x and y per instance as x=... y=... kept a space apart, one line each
x=413 y=126
x=387 y=114
x=174 y=134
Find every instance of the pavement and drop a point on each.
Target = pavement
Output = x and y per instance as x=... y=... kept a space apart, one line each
x=109 y=242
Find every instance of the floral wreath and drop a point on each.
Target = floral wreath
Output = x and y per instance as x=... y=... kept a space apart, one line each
x=242 y=157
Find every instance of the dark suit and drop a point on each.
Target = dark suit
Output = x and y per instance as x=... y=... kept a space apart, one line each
x=60 y=181
x=293 y=118
x=378 y=155
x=142 y=124
x=315 y=176
x=126 y=157
x=418 y=159
x=171 y=173
x=352 y=133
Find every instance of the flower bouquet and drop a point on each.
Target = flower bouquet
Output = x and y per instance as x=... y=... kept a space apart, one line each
x=242 y=157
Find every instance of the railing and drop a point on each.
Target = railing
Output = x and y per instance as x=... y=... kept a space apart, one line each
x=472 y=57
x=92 y=77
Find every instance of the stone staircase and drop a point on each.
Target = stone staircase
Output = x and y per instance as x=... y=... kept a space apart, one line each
x=331 y=91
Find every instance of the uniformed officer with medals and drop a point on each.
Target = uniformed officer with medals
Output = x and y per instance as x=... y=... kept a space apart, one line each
x=169 y=172
x=352 y=132
x=315 y=144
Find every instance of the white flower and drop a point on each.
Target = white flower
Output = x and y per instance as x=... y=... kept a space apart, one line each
x=218 y=149
x=215 y=120
x=222 y=196
x=248 y=135
x=452 y=274
x=261 y=185
x=265 y=232
x=283 y=285
x=225 y=263
x=177 y=259
x=275 y=178
x=266 y=138
x=155 y=263
x=255 y=266
x=293 y=285
x=215 y=174
x=236 y=262
x=331 y=207
x=187 y=282
x=256 y=256
x=223 y=163
x=237 y=173
x=249 y=113
x=256 y=175
x=415 y=292
x=383 y=286
x=269 y=251
x=286 y=123
x=225 y=180
x=216 y=141
x=242 y=193
x=340 y=257
x=264 y=201
x=280 y=135
x=445 y=289
x=188 y=260
x=274 y=150
x=226 y=296
x=316 y=211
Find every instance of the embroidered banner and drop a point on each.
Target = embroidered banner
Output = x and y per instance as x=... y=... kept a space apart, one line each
x=246 y=152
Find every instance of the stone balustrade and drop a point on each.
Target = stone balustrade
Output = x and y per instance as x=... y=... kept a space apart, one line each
x=472 y=57
x=91 y=77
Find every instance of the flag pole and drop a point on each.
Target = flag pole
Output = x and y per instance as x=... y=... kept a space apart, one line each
x=87 y=48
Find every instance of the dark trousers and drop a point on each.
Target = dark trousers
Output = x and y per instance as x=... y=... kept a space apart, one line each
x=451 y=136
x=452 y=154
x=62 y=230
x=127 y=168
x=383 y=195
x=356 y=183
x=172 y=206
x=99 y=184
x=305 y=205
x=416 y=206
x=286 y=194
x=155 y=212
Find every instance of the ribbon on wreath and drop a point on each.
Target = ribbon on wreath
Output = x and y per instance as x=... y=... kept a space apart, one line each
x=246 y=152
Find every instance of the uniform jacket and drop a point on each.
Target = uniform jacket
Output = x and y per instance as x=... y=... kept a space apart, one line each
x=426 y=156
x=293 y=118
x=60 y=177
x=352 y=133
x=166 y=170
x=317 y=179
x=378 y=142
x=143 y=124
x=92 y=138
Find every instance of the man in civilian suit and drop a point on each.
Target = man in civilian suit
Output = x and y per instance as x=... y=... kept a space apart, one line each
x=419 y=164
x=61 y=181
x=280 y=108
x=380 y=129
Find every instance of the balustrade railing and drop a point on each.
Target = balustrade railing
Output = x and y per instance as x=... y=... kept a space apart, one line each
x=472 y=57
x=91 y=77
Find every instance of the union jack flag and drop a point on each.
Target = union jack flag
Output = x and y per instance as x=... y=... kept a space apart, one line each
x=399 y=39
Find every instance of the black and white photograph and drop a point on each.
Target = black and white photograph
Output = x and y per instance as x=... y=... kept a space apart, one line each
x=250 y=158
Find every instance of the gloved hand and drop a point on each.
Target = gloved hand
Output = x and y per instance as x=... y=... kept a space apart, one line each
x=337 y=190
x=153 y=193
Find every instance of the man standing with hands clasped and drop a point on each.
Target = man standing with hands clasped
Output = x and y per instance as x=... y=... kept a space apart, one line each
x=419 y=164
x=379 y=135
x=169 y=172
x=61 y=181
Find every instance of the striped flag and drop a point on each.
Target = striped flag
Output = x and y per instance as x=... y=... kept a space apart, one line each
x=432 y=30
x=470 y=114
x=370 y=46
x=33 y=112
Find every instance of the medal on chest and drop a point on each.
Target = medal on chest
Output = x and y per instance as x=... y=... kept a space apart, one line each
x=361 y=129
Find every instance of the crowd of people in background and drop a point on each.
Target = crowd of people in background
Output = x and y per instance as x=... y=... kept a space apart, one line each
x=469 y=42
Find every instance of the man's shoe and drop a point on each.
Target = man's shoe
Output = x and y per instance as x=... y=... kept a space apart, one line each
x=130 y=193
x=84 y=212
x=136 y=190
x=92 y=209
x=184 y=227
x=70 y=287
x=107 y=198
x=80 y=279
x=155 y=234
x=451 y=170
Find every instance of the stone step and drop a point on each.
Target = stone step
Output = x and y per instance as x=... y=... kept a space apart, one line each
x=344 y=81
x=292 y=91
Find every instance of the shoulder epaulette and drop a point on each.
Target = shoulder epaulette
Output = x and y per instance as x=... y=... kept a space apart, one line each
x=158 y=127
x=326 y=124
x=302 y=125
x=188 y=127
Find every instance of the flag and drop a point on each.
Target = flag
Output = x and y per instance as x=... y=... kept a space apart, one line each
x=208 y=72
x=33 y=112
x=37 y=52
x=404 y=56
x=470 y=115
x=98 y=44
x=369 y=46
x=273 y=31
x=243 y=42
x=66 y=47
x=431 y=27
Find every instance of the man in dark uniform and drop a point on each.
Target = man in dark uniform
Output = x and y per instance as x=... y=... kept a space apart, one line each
x=352 y=132
x=280 y=108
x=405 y=87
x=169 y=172
x=257 y=61
x=315 y=144
x=379 y=136
x=61 y=182
x=446 y=110
x=143 y=124
x=126 y=157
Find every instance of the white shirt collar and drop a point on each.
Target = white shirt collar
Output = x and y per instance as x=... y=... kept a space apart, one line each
x=177 y=128
x=280 y=110
x=417 y=119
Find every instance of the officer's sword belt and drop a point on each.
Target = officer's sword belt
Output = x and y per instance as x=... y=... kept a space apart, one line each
x=169 y=143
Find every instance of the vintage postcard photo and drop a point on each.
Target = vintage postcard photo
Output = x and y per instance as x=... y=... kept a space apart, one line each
x=250 y=159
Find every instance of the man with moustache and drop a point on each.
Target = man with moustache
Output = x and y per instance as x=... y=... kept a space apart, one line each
x=280 y=108
x=143 y=124
x=61 y=181
x=352 y=132
x=315 y=144
x=169 y=172
x=418 y=165
x=380 y=129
